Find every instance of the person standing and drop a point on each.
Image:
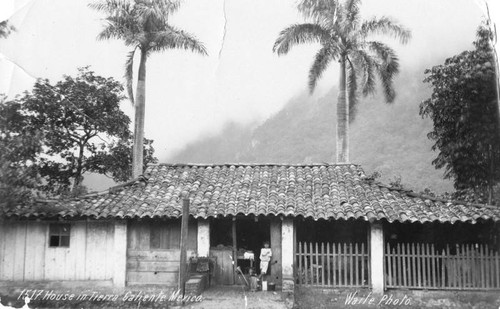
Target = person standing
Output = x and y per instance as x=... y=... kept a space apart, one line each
x=265 y=258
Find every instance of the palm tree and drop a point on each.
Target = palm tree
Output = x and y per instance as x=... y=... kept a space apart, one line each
x=344 y=37
x=143 y=25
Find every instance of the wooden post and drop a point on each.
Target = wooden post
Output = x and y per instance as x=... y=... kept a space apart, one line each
x=287 y=254
x=235 y=257
x=120 y=253
x=203 y=238
x=377 y=257
x=184 y=234
x=275 y=263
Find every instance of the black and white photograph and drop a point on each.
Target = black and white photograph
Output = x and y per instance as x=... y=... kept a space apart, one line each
x=274 y=154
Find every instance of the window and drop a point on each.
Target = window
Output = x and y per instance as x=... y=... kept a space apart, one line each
x=59 y=235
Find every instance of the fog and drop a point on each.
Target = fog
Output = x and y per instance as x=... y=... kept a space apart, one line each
x=241 y=81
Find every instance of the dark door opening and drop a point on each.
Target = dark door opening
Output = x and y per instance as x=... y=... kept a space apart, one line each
x=249 y=238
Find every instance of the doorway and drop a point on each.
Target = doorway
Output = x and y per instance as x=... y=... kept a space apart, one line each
x=238 y=240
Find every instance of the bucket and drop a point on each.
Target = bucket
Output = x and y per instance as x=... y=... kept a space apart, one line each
x=264 y=285
x=271 y=286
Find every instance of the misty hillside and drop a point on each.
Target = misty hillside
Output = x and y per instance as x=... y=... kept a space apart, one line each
x=387 y=138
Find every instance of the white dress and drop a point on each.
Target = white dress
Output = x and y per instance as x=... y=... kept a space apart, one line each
x=265 y=258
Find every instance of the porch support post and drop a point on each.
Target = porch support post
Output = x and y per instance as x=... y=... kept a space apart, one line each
x=203 y=238
x=377 y=257
x=120 y=253
x=287 y=254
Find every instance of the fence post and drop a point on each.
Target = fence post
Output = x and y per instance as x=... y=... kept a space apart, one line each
x=287 y=252
x=183 y=245
x=377 y=273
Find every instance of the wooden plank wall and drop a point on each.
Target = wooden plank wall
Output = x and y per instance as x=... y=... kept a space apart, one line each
x=156 y=266
x=26 y=256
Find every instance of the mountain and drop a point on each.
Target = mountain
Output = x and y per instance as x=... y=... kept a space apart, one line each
x=388 y=138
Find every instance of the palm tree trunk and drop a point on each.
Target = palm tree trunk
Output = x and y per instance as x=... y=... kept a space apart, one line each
x=491 y=176
x=342 y=117
x=140 y=104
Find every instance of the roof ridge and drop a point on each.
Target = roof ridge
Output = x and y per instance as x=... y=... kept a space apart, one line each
x=109 y=190
x=435 y=199
x=254 y=164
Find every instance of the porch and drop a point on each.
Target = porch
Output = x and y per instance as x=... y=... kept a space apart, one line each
x=385 y=256
x=331 y=254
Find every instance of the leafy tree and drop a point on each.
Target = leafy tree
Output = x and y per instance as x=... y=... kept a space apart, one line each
x=345 y=38
x=464 y=110
x=18 y=176
x=143 y=25
x=56 y=133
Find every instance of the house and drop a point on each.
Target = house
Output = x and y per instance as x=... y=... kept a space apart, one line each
x=328 y=225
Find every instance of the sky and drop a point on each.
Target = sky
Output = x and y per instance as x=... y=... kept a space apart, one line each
x=190 y=96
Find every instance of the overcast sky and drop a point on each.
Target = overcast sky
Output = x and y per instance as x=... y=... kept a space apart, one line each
x=241 y=80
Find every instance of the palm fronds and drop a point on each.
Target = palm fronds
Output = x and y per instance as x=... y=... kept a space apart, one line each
x=366 y=65
x=144 y=24
x=129 y=74
x=172 y=38
x=299 y=34
x=387 y=67
x=350 y=15
x=322 y=12
x=111 y=31
x=339 y=25
x=321 y=61
x=343 y=35
x=111 y=7
x=156 y=11
x=387 y=26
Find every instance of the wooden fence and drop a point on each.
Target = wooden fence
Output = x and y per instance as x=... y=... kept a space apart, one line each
x=332 y=265
x=459 y=267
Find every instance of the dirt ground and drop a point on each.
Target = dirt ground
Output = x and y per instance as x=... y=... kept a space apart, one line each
x=217 y=298
x=322 y=299
x=214 y=298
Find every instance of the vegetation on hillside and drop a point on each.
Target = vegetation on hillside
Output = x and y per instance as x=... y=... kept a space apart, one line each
x=390 y=139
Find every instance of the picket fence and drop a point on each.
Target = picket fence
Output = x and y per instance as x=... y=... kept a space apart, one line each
x=332 y=264
x=456 y=267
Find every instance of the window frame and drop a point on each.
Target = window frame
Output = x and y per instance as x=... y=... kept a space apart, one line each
x=57 y=230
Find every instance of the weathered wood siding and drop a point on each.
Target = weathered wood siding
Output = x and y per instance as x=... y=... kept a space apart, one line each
x=275 y=265
x=160 y=265
x=25 y=254
x=223 y=272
